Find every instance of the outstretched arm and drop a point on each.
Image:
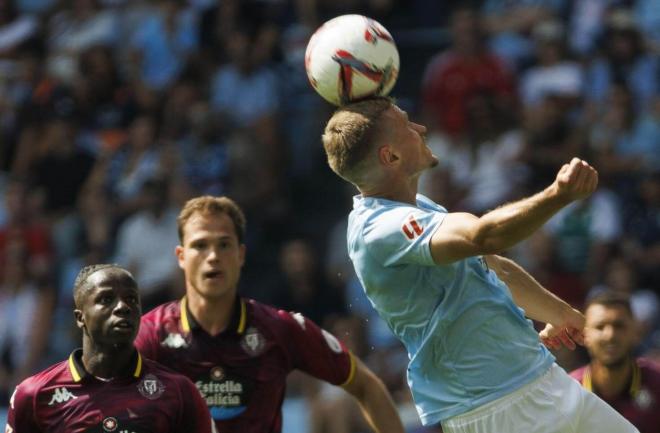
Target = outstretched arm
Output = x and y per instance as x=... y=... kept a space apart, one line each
x=374 y=399
x=565 y=324
x=464 y=235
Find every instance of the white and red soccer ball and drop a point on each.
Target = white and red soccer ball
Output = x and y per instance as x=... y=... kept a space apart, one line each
x=351 y=57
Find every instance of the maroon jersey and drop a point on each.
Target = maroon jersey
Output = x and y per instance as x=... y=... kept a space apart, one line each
x=640 y=403
x=67 y=399
x=241 y=372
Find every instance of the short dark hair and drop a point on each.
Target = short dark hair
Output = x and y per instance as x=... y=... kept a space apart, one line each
x=610 y=298
x=211 y=205
x=80 y=284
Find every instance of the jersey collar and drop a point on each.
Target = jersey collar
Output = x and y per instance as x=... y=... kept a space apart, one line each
x=78 y=372
x=635 y=383
x=237 y=322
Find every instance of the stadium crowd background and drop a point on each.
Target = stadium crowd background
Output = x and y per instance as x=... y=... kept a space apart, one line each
x=114 y=112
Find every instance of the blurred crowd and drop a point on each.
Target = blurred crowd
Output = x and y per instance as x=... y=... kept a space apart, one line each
x=114 y=112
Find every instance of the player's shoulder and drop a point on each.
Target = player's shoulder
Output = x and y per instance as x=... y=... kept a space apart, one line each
x=649 y=368
x=578 y=373
x=169 y=312
x=53 y=374
x=270 y=319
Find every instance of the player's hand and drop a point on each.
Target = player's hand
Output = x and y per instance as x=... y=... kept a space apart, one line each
x=576 y=180
x=567 y=332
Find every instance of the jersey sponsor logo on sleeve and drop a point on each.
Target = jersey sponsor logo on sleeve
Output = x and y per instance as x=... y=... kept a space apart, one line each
x=61 y=395
x=332 y=341
x=411 y=227
x=151 y=387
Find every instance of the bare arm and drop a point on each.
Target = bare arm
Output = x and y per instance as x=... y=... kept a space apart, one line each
x=374 y=399
x=464 y=235
x=565 y=323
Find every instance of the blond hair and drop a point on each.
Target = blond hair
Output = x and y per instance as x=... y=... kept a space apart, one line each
x=210 y=205
x=350 y=134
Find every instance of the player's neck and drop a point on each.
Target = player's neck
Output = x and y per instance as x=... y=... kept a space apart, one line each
x=212 y=314
x=404 y=192
x=610 y=381
x=106 y=362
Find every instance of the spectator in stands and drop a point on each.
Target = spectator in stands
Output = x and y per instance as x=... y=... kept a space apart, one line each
x=125 y=170
x=467 y=68
x=162 y=45
x=553 y=72
x=630 y=385
x=81 y=25
x=508 y=22
x=624 y=61
x=145 y=243
x=303 y=286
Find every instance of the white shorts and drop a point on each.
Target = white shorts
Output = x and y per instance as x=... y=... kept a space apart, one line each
x=553 y=403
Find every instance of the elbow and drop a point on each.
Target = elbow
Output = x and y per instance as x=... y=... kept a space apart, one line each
x=486 y=241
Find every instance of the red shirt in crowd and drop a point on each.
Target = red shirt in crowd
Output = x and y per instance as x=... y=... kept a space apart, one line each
x=451 y=80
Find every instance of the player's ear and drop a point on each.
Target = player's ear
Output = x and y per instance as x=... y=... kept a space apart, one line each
x=178 y=251
x=78 y=315
x=387 y=155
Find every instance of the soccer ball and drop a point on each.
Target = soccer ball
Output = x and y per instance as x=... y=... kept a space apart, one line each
x=351 y=57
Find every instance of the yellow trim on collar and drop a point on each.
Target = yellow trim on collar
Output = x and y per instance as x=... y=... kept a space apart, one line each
x=72 y=369
x=241 y=322
x=635 y=383
x=351 y=372
x=138 y=367
x=184 y=315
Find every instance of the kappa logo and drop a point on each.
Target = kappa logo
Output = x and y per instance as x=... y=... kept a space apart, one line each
x=61 y=395
x=411 y=228
x=174 y=341
x=8 y=429
x=151 y=387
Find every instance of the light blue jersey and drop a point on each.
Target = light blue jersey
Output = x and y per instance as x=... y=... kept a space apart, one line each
x=468 y=343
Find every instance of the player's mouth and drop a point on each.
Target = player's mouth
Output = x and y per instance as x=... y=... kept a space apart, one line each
x=123 y=325
x=212 y=275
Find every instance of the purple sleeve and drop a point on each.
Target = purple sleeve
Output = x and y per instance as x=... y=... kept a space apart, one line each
x=315 y=350
x=21 y=417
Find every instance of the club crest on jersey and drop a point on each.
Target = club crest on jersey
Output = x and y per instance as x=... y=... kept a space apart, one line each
x=411 y=227
x=110 y=424
x=61 y=395
x=151 y=387
x=174 y=341
x=253 y=343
